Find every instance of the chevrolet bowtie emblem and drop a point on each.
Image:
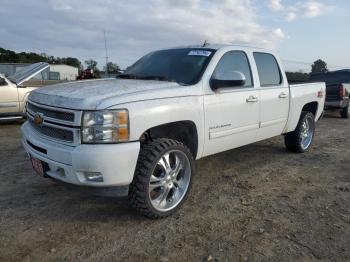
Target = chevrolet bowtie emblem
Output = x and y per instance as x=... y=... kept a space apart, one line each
x=38 y=119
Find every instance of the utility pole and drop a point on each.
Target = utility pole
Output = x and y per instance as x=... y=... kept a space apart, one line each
x=104 y=34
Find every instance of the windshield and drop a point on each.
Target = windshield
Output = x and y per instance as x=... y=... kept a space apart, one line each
x=184 y=66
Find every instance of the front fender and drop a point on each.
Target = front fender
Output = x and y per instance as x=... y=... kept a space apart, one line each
x=23 y=94
x=144 y=115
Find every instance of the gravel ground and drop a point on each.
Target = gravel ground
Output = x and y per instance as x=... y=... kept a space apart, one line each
x=255 y=203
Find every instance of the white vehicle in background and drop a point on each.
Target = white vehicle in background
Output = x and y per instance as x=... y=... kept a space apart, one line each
x=13 y=93
x=142 y=131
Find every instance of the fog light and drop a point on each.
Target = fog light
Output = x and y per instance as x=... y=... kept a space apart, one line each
x=93 y=176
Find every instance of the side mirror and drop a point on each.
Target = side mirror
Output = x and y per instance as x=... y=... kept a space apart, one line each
x=227 y=80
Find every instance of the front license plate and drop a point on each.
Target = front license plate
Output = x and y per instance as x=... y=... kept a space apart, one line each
x=38 y=166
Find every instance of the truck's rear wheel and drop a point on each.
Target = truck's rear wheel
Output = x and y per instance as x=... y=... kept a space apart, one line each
x=162 y=178
x=345 y=112
x=301 y=138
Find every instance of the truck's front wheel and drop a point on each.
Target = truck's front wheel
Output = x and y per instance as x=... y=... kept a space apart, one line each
x=301 y=138
x=162 y=178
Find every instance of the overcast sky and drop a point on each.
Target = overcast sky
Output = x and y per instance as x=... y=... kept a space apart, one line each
x=299 y=30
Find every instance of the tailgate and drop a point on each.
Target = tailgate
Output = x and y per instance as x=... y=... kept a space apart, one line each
x=332 y=92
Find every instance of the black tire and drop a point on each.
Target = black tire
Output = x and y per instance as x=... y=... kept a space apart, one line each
x=344 y=113
x=292 y=140
x=151 y=152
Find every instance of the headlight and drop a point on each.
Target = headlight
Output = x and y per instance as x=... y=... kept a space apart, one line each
x=109 y=126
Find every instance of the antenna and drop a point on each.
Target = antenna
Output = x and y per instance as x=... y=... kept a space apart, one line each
x=104 y=34
x=205 y=43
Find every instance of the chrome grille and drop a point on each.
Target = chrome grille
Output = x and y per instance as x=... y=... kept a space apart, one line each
x=54 y=114
x=52 y=132
x=59 y=124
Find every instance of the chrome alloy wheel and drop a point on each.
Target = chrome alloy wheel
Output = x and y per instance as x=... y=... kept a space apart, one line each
x=170 y=180
x=307 y=132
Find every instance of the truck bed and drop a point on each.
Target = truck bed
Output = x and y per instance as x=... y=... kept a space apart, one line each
x=302 y=94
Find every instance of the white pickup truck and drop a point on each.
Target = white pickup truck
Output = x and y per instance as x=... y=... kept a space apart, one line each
x=13 y=94
x=142 y=131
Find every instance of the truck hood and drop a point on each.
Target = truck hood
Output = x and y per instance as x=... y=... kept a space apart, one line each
x=28 y=72
x=104 y=93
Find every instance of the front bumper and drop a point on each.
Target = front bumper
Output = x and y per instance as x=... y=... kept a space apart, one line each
x=116 y=162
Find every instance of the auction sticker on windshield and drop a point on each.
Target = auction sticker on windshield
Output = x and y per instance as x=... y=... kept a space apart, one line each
x=200 y=52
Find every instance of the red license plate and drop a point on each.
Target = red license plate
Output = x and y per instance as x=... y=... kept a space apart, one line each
x=37 y=166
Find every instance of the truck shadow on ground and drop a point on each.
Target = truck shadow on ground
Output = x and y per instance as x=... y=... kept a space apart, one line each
x=257 y=201
x=332 y=114
x=57 y=201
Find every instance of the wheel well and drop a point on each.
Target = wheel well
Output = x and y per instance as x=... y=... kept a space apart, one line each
x=182 y=131
x=311 y=107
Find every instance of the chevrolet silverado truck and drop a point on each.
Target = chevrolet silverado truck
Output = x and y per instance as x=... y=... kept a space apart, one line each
x=337 y=90
x=13 y=94
x=142 y=131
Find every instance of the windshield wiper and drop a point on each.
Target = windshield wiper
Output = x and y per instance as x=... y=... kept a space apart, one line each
x=159 y=78
x=128 y=76
x=150 y=77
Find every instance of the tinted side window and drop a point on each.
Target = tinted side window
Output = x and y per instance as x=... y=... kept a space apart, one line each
x=235 y=61
x=268 y=70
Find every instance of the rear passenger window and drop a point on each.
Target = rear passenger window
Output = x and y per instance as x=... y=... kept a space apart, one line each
x=268 y=70
x=235 y=61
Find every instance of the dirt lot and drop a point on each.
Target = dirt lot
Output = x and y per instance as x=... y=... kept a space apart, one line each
x=256 y=203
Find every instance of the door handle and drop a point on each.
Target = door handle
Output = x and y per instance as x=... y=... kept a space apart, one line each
x=252 y=99
x=283 y=95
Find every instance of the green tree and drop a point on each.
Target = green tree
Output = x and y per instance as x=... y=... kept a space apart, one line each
x=319 y=66
x=297 y=76
x=111 y=68
x=51 y=59
x=91 y=64
x=8 y=56
x=71 y=61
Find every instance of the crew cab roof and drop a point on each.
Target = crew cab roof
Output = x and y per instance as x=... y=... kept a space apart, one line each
x=220 y=46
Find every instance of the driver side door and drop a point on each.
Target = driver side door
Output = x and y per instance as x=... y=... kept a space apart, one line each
x=231 y=114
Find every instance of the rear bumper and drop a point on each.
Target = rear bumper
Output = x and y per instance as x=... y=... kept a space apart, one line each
x=116 y=162
x=337 y=104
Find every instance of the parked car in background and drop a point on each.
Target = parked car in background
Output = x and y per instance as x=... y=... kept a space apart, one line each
x=142 y=131
x=86 y=74
x=338 y=90
x=13 y=94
